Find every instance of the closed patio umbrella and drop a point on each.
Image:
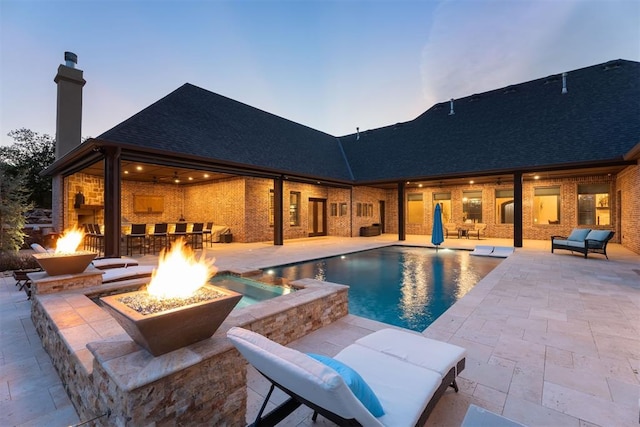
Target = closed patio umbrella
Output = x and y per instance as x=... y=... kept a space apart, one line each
x=437 y=236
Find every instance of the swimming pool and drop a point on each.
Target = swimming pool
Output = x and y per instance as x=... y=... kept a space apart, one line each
x=399 y=285
x=252 y=291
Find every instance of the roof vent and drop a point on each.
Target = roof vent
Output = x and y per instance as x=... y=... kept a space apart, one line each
x=564 y=83
x=357 y=134
x=451 y=112
x=612 y=65
x=70 y=59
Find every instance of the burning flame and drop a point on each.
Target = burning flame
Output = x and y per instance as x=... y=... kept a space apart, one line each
x=69 y=241
x=179 y=274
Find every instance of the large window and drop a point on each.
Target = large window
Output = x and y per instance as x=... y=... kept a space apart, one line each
x=504 y=206
x=294 y=208
x=415 y=208
x=472 y=206
x=445 y=204
x=593 y=204
x=546 y=205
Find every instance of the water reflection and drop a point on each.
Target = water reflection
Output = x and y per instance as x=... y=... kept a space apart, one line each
x=403 y=286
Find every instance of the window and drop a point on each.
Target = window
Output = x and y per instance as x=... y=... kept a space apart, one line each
x=504 y=206
x=593 y=204
x=546 y=205
x=271 y=208
x=472 y=206
x=445 y=205
x=415 y=208
x=359 y=209
x=334 y=209
x=294 y=208
x=343 y=209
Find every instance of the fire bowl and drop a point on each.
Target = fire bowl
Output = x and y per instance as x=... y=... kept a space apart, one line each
x=172 y=329
x=58 y=264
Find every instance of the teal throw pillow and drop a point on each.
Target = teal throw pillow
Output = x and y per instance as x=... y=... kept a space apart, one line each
x=355 y=382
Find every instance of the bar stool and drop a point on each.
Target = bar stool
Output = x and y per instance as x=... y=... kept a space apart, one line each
x=206 y=234
x=180 y=231
x=138 y=234
x=99 y=238
x=196 y=235
x=159 y=232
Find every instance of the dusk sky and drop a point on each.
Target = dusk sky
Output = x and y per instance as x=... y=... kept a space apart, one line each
x=331 y=65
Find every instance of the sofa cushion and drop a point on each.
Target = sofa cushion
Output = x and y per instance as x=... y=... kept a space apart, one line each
x=600 y=235
x=574 y=244
x=358 y=386
x=578 y=234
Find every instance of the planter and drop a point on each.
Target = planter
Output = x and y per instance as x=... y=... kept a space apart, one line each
x=58 y=264
x=169 y=330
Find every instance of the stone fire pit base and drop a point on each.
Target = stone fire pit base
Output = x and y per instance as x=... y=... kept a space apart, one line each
x=107 y=375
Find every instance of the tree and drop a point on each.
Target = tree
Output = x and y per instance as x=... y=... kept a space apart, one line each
x=27 y=157
x=13 y=206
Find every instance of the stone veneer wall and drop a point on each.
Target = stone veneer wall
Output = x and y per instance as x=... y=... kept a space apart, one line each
x=628 y=195
x=92 y=187
x=104 y=372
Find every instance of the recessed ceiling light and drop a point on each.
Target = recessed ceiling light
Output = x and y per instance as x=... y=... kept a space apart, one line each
x=206 y=175
x=471 y=182
x=420 y=185
x=126 y=172
x=138 y=168
x=536 y=177
x=190 y=178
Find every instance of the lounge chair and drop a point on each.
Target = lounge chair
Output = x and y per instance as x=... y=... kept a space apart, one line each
x=583 y=240
x=39 y=249
x=450 y=228
x=126 y=273
x=107 y=263
x=403 y=372
x=476 y=230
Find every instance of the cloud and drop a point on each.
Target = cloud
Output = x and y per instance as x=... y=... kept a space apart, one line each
x=478 y=46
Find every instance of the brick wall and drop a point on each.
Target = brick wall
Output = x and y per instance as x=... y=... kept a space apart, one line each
x=628 y=194
x=339 y=224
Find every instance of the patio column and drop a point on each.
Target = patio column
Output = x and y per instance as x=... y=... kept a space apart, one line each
x=402 y=234
x=517 y=209
x=278 y=224
x=112 y=190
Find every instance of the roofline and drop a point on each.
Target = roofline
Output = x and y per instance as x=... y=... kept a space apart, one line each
x=634 y=153
x=90 y=152
x=506 y=171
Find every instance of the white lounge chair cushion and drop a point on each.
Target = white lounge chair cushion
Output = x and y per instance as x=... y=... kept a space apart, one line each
x=106 y=263
x=414 y=348
x=404 y=389
x=118 y=274
x=301 y=374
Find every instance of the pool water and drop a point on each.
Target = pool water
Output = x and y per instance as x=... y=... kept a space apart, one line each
x=404 y=286
x=252 y=291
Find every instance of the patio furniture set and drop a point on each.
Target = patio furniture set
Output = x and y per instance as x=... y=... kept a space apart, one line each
x=466 y=229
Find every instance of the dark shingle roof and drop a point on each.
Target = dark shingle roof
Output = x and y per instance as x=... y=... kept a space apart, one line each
x=196 y=122
x=521 y=126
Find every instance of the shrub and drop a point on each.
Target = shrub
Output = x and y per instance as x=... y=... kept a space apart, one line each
x=16 y=261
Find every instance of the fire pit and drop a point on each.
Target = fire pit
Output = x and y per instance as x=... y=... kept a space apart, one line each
x=66 y=259
x=178 y=308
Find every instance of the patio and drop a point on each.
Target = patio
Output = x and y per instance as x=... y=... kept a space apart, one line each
x=552 y=339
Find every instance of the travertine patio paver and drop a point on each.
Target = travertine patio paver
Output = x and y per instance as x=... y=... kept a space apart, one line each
x=552 y=339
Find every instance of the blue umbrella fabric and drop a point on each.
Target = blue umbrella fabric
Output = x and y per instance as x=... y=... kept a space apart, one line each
x=437 y=237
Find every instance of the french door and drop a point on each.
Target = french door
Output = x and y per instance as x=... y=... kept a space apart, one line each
x=317 y=217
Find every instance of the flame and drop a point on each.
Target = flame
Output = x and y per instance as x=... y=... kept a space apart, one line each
x=179 y=274
x=69 y=241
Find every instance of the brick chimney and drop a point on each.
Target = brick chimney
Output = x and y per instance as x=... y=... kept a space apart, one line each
x=69 y=107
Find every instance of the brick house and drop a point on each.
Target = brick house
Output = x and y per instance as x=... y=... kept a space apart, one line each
x=529 y=160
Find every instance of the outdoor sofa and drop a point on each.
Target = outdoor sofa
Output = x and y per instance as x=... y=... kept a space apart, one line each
x=387 y=378
x=584 y=241
x=371 y=230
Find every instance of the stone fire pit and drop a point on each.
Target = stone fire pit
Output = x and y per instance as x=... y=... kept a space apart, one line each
x=65 y=263
x=164 y=331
